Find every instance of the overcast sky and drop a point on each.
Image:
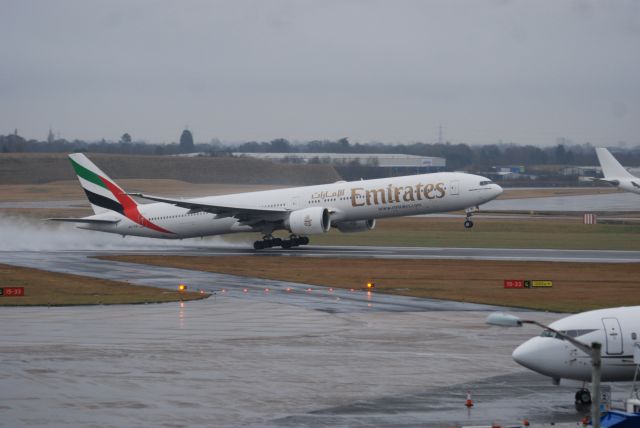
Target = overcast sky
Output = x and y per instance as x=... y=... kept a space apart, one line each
x=391 y=71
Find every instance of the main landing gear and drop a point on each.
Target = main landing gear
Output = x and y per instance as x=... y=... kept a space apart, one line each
x=269 y=242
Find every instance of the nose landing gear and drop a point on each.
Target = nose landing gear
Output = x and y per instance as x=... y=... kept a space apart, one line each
x=583 y=397
x=468 y=223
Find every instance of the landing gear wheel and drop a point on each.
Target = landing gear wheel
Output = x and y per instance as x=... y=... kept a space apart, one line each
x=583 y=397
x=468 y=224
x=304 y=240
x=258 y=245
x=286 y=244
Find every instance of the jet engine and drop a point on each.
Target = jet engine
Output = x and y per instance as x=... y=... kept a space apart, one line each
x=309 y=221
x=356 y=226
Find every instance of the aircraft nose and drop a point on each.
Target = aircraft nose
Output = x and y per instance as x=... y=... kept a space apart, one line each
x=498 y=190
x=524 y=355
x=538 y=354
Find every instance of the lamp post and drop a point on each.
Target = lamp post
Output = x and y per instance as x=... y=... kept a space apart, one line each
x=594 y=351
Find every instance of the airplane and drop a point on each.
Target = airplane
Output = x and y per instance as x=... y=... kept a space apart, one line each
x=349 y=206
x=617 y=329
x=616 y=174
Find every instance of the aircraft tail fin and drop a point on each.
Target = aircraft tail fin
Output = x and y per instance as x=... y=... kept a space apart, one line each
x=103 y=193
x=611 y=168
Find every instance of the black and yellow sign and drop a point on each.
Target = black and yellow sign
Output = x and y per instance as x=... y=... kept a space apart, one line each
x=529 y=283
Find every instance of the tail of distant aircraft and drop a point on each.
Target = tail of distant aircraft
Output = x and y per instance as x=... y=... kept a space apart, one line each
x=611 y=168
x=103 y=193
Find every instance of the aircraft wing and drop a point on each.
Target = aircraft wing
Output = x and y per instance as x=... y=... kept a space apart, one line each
x=604 y=180
x=85 y=220
x=247 y=215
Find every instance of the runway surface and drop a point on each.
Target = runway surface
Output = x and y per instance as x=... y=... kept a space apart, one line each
x=141 y=246
x=265 y=353
x=242 y=361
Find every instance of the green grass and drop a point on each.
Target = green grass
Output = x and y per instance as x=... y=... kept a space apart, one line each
x=43 y=288
x=550 y=233
x=491 y=233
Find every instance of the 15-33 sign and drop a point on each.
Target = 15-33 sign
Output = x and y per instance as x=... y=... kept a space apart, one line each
x=526 y=283
x=11 y=291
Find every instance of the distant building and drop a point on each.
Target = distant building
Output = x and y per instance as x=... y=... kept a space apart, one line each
x=186 y=142
x=511 y=172
x=582 y=171
x=409 y=163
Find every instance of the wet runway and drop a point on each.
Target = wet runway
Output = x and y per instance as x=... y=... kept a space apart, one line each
x=262 y=353
x=240 y=361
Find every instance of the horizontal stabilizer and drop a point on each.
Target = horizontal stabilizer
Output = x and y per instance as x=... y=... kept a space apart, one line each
x=604 y=180
x=85 y=220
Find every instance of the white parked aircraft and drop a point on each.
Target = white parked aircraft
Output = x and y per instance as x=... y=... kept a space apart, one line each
x=616 y=174
x=617 y=329
x=349 y=206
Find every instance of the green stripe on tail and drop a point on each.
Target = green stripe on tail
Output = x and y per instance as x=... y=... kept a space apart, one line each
x=87 y=175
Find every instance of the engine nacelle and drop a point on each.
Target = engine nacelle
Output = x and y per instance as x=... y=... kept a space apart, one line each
x=356 y=226
x=309 y=221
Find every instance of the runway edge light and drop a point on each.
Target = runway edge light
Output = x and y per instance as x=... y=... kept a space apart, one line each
x=370 y=285
x=182 y=287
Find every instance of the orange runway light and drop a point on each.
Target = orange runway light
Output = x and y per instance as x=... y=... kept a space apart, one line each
x=182 y=287
x=370 y=285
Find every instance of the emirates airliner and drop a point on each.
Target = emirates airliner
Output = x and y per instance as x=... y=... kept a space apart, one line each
x=348 y=206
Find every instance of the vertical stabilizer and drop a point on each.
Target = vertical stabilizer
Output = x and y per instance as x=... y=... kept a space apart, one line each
x=611 y=168
x=103 y=193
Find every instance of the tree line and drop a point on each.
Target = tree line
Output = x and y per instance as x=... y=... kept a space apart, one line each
x=459 y=156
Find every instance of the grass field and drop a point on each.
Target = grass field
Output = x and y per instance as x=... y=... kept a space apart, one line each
x=576 y=286
x=70 y=189
x=567 y=233
x=44 y=288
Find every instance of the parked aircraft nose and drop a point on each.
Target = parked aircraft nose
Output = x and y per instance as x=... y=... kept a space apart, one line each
x=540 y=354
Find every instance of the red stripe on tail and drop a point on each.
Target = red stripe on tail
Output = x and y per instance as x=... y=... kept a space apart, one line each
x=131 y=207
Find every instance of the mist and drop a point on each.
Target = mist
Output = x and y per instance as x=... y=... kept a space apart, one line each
x=23 y=234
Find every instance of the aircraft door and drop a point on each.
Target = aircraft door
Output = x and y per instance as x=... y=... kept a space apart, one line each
x=455 y=187
x=613 y=335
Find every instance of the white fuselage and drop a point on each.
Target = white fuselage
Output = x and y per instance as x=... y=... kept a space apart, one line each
x=346 y=201
x=617 y=329
x=629 y=184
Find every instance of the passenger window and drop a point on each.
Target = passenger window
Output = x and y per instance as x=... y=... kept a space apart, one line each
x=634 y=336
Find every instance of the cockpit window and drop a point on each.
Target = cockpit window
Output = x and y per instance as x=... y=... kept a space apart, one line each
x=570 y=333
x=577 y=333
x=549 y=333
x=486 y=183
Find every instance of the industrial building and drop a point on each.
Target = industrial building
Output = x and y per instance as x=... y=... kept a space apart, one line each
x=397 y=162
